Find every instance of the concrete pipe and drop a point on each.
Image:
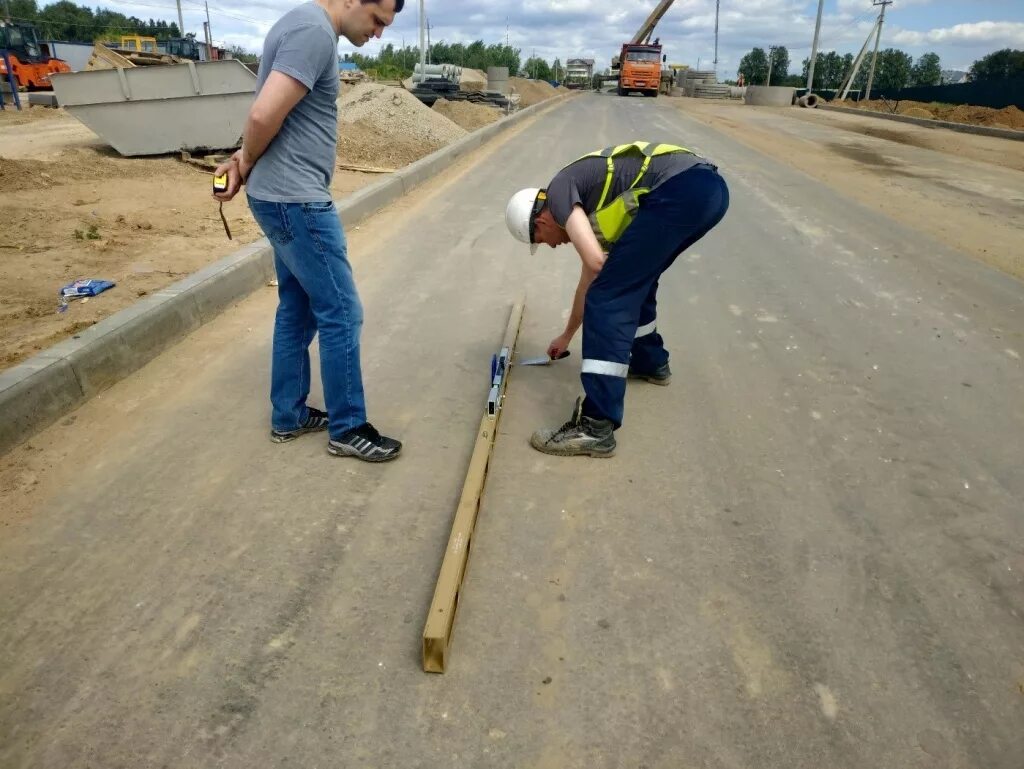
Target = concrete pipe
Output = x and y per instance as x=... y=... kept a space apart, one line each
x=497 y=79
x=430 y=69
x=769 y=96
x=808 y=100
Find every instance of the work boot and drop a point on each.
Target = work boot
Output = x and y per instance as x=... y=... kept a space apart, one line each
x=365 y=443
x=580 y=436
x=316 y=420
x=660 y=376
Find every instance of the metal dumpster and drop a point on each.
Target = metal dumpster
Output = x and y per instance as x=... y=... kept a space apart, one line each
x=160 y=109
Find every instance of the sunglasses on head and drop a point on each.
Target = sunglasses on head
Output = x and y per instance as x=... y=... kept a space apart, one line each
x=538 y=205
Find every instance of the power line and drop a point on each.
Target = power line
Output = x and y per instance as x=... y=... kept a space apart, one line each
x=837 y=30
x=48 y=23
x=216 y=10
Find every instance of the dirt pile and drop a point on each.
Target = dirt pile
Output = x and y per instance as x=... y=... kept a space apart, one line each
x=473 y=80
x=466 y=114
x=361 y=144
x=531 y=91
x=394 y=113
x=387 y=127
x=1008 y=117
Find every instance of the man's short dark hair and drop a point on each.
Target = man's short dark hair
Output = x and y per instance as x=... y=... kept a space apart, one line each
x=399 y=4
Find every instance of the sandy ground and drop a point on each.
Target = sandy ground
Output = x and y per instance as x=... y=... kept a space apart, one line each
x=142 y=223
x=964 y=190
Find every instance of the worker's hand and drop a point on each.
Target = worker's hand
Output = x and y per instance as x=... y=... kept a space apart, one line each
x=235 y=178
x=559 y=345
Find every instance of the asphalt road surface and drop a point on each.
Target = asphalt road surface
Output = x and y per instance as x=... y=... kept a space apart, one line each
x=808 y=551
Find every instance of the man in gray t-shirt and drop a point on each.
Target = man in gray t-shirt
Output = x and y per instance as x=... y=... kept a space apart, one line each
x=286 y=162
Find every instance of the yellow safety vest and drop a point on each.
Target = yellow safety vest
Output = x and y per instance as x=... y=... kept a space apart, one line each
x=610 y=221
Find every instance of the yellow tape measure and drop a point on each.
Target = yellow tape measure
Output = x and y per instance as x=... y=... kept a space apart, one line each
x=220 y=183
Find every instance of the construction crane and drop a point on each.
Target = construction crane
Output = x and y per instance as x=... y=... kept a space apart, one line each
x=643 y=35
x=639 y=62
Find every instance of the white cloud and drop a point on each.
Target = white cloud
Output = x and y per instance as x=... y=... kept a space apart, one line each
x=995 y=33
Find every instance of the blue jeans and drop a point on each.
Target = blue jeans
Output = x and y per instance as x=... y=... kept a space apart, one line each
x=316 y=293
x=619 y=316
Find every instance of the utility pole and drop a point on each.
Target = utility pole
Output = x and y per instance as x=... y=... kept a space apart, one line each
x=814 y=47
x=209 y=30
x=844 y=89
x=771 y=62
x=181 y=21
x=717 y=4
x=423 y=49
x=878 y=39
x=428 y=40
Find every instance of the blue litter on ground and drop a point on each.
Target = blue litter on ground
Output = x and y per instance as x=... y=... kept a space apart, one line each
x=81 y=289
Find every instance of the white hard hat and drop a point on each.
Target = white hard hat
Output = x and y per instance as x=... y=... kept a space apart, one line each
x=519 y=213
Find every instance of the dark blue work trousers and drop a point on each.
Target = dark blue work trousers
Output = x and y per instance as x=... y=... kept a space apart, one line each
x=619 y=318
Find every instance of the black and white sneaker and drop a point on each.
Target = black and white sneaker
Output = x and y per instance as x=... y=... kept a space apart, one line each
x=365 y=443
x=315 y=421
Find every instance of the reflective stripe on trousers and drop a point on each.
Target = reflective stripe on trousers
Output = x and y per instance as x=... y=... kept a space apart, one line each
x=647 y=328
x=604 y=368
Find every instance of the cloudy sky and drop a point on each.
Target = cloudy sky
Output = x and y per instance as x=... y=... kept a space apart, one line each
x=959 y=31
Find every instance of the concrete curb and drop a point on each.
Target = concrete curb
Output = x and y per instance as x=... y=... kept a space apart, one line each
x=980 y=130
x=39 y=391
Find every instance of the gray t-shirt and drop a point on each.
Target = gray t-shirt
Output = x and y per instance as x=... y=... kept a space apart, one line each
x=583 y=181
x=299 y=163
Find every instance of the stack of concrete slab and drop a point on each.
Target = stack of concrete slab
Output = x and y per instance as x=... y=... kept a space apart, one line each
x=712 y=91
x=695 y=77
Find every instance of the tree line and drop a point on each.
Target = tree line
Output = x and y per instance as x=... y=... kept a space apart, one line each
x=895 y=68
x=64 y=20
x=397 y=63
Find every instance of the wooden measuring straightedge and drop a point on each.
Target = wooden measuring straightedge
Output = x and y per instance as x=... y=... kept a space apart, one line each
x=437 y=633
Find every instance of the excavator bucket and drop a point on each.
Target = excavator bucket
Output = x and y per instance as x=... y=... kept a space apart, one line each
x=195 y=106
